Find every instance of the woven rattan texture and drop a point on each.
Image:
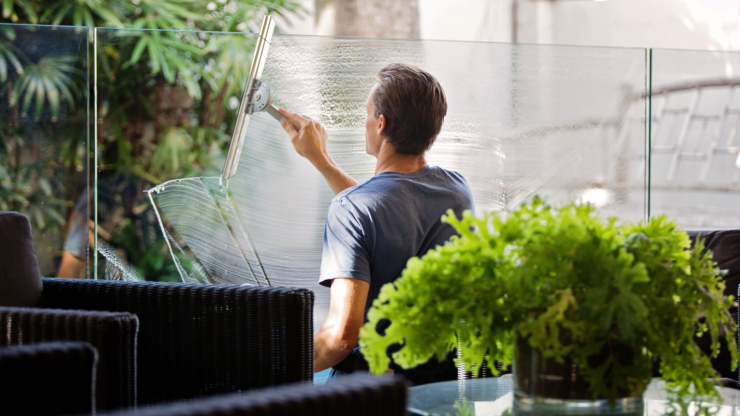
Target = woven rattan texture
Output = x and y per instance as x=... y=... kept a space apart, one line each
x=197 y=340
x=48 y=378
x=352 y=396
x=112 y=334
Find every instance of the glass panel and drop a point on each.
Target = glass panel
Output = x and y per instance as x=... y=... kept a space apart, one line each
x=166 y=104
x=44 y=140
x=566 y=123
x=695 y=147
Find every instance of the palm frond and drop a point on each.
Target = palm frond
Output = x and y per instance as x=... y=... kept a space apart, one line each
x=171 y=151
x=8 y=57
x=47 y=80
x=29 y=8
x=234 y=53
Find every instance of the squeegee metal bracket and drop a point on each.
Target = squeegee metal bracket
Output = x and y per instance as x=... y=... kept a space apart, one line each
x=254 y=89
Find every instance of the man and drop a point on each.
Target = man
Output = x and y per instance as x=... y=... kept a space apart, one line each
x=373 y=228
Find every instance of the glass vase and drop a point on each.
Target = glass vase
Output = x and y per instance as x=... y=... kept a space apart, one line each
x=543 y=386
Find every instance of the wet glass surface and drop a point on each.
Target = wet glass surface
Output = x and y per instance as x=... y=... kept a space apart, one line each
x=565 y=123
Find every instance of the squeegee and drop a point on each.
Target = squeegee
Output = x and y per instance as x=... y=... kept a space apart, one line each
x=256 y=98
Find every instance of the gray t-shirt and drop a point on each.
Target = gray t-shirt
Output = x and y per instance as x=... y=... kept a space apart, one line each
x=374 y=228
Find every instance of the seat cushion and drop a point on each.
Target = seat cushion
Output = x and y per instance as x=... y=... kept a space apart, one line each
x=20 y=279
x=725 y=246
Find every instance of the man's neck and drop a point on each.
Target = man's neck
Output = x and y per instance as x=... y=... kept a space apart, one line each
x=390 y=161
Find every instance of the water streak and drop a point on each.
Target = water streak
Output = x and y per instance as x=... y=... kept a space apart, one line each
x=115 y=267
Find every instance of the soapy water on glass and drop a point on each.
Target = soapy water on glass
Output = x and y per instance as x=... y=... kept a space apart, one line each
x=521 y=121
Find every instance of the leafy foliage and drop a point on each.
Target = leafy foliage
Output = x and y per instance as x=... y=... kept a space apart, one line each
x=8 y=55
x=27 y=187
x=571 y=284
x=37 y=154
x=163 y=96
x=45 y=81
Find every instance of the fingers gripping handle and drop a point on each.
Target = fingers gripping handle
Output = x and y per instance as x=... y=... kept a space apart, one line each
x=273 y=111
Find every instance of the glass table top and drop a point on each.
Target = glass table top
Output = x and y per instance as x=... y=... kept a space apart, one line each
x=494 y=396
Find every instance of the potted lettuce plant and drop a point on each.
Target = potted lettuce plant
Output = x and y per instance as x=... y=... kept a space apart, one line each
x=587 y=303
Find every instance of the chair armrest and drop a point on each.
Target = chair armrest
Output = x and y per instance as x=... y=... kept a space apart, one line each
x=48 y=378
x=197 y=340
x=112 y=334
x=355 y=395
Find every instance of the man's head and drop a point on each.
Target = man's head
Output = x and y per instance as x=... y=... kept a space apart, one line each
x=406 y=107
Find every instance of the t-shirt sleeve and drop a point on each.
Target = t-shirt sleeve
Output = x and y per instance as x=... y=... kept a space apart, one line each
x=345 y=253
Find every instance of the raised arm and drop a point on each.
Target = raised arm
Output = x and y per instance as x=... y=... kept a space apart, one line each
x=310 y=142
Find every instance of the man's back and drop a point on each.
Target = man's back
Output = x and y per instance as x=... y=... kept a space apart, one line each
x=373 y=229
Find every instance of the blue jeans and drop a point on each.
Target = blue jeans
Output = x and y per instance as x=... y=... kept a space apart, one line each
x=334 y=374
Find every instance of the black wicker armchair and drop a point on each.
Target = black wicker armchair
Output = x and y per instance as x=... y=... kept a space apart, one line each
x=355 y=395
x=112 y=334
x=158 y=342
x=197 y=340
x=49 y=378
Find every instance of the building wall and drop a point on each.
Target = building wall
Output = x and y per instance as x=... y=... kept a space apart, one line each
x=681 y=24
x=468 y=20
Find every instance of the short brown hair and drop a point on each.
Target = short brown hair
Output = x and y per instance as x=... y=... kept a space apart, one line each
x=414 y=106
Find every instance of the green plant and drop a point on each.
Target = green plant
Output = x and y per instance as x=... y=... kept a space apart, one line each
x=572 y=285
x=28 y=187
x=163 y=104
x=45 y=81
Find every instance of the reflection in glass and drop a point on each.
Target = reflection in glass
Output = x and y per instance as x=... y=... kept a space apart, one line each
x=695 y=145
x=43 y=140
x=494 y=397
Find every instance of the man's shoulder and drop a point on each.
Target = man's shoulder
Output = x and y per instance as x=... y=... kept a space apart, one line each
x=360 y=199
x=451 y=174
x=371 y=189
x=359 y=191
x=395 y=185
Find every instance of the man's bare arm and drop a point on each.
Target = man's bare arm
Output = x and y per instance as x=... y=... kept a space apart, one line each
x=339 y=334
x=310 y=142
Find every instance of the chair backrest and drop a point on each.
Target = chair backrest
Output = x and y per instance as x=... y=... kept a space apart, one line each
x=49 y=378
x=355 y=395
x=113 y=334
x=20 y=279
x=197 y=340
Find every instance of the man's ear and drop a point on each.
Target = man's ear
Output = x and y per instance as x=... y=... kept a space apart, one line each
x=381 y=125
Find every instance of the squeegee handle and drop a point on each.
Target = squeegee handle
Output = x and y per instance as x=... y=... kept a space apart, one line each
x=273 y=111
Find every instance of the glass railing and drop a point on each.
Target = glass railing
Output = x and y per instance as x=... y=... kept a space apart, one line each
x=635 y=132
x=44 y=140
x=165 y=104
x=695 y=145
x=565 y=123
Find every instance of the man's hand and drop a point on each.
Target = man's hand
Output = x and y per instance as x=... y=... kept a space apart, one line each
x=311 y=142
